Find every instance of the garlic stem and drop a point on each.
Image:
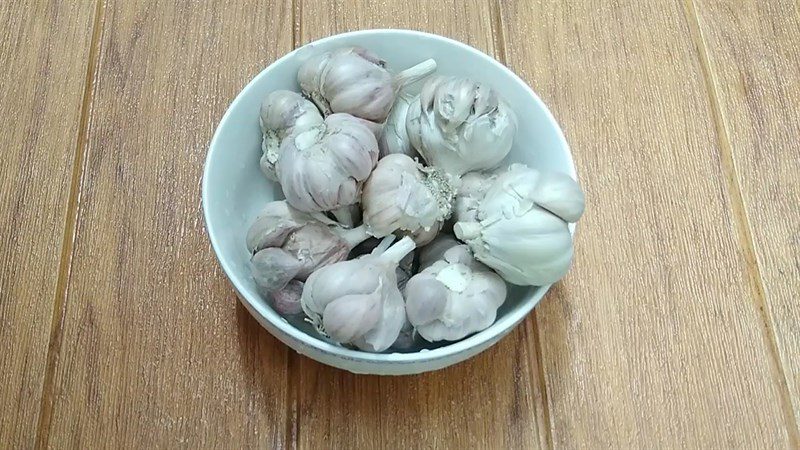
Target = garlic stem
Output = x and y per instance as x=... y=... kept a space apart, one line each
x=467 y=230
x=399 y=250
x=352 y=236
x=383 y=245
x=414 y=74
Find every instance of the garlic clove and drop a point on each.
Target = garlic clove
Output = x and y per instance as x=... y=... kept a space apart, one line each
x=394 y=136
x=315 y=245
x=561 y=195
x=426 y=298
x=472 y=189
x=387 y=330
x=286 y=301
x=283 y=113
x=533 y=249
x=272 y=268
x=273 y=225
x=349 y=317
x=331 y=282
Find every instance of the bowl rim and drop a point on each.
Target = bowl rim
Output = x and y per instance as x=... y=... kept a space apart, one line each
x=501 y=326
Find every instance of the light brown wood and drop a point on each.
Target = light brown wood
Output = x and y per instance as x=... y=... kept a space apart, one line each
x=677 y=327
x=752 y=51
x=493 y=398
x=155 y=351
x=44 y=50
x=654 y=339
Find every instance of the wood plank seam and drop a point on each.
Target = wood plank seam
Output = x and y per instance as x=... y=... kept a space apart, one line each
x=70 y=229
x=500 y=51
x=741 y=221
x=292 y=433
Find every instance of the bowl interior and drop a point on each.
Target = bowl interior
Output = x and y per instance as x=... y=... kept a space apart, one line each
x=234 y=189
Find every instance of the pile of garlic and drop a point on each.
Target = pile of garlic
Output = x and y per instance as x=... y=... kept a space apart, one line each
x=372 y=174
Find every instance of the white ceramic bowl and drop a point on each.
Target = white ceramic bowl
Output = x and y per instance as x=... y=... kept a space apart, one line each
x=234 y=190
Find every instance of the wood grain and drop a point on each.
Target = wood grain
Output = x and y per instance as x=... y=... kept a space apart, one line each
x=493 y=398
x=44 y=49
x=753 y=57
x=155 y=351
x=677 y=327
x=655 y=338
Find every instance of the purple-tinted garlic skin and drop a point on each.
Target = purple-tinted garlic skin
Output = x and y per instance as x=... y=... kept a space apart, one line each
x=402 y=195
x=354 y=80
x=460 y=125
x=454 y=297
x=520 y=227
x=288 y=246
x=358 y=302
x=286 y=301
x=283 y=113
x=322 y=169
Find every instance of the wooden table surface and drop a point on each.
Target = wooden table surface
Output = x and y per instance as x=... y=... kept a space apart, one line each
x=678 y=326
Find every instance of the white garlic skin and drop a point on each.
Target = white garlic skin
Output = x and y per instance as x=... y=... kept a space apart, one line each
x=521 y=228
x=454 y=297
x=323 y=168
x=460 y=125
x=394 y=137
x=357 y=301
x=283 y=113
x=470 y=193
x=350 y=80
x=399 y=195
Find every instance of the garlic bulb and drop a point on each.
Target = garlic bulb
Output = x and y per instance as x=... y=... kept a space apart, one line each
x=460 y=125
x=521 y=226
x=394 y=138
x=287 y=245
x=322 y=168
x=402 y=195
x=357 y=301
x=283 y=113
x=472 y=189
x=454 y=297
x=354 y=80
